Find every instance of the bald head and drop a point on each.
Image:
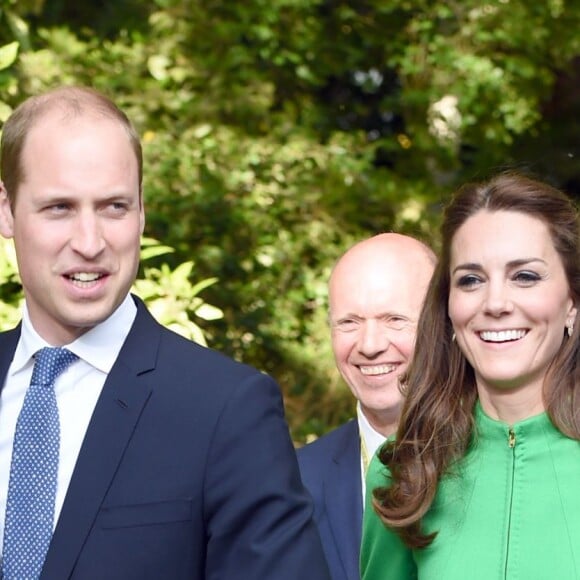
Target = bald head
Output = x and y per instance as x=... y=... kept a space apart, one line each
x=376 y=291
x=371 y=258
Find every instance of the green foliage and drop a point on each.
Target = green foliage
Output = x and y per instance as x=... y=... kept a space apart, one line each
x=10 y=288
x=171 y=296
x=8 y=54
x=278 y=133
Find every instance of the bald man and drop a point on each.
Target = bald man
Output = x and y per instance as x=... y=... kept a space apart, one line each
x=376 y=291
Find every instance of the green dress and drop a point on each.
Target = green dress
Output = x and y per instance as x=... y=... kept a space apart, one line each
x=509 y=510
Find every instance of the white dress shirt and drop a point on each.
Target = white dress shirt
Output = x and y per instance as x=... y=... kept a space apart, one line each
x=77 y=391
x=371 y=440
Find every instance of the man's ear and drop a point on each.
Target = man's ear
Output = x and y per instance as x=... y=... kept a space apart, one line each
x=6 y=217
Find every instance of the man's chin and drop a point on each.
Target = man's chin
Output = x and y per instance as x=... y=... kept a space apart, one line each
x=381 y=382
x=84 y=318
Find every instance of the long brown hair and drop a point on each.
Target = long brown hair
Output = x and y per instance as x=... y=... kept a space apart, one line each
x=437 y=417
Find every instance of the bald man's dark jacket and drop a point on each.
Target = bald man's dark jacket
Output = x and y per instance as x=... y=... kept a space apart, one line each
x=331 y=471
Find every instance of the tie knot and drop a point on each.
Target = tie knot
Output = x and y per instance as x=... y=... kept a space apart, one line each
x=49 y=363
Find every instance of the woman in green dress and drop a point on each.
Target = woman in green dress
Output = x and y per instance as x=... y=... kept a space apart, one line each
x=482 y=480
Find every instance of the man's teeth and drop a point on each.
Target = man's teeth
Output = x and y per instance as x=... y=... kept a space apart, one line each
x=501 y=335
x=85 y=276
x=377 y=369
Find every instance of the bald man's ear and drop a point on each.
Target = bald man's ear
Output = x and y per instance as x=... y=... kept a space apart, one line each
x=6 y=217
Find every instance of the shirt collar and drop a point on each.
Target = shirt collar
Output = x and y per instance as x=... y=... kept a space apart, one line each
x=99 y=347
x=372 y=438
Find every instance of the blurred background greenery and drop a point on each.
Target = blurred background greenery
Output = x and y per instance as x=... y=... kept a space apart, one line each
x=277 y=133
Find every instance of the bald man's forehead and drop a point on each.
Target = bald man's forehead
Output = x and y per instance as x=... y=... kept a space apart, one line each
x=412 y=267
x=376 y=292
x=394 y=249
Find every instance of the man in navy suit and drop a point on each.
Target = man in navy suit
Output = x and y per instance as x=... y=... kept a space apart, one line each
x=376 y=290
x=174 y=461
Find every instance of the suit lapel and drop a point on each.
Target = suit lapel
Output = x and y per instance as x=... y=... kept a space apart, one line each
x=343 y=498
x=122 y=400
x=8 y=342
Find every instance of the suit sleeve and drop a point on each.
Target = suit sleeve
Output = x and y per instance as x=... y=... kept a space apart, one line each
x=258 y=514
x=383 y=554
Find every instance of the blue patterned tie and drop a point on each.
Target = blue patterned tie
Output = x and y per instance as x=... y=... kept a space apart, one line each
x=33 y=471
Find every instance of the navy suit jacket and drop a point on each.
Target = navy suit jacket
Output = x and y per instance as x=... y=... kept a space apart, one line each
x=187 y=471
x=331 y=471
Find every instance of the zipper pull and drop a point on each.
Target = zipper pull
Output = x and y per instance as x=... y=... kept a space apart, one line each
x=511 y=438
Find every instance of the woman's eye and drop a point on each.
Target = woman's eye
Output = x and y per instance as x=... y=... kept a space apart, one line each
x=468 y=281
x=526 y=277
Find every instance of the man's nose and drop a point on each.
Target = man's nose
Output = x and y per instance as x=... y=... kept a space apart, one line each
x=87 y=238
x=373 y=338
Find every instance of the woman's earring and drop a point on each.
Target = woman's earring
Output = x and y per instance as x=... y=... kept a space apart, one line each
x=570 y=327
x=453 y=337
